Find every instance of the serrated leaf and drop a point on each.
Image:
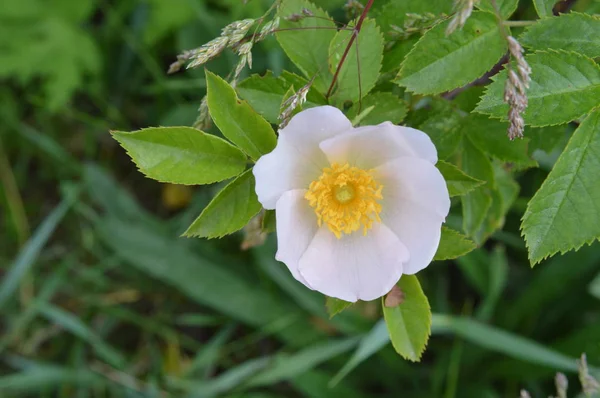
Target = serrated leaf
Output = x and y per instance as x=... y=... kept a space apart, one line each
x=307 y=48
x=544 y=7
x=564 y=86
x=237 y=120
x=507 y=7
x=569 y=32
x=409 y=323
x=229 y=211
x=394 y=13
x=335 y=306
x=265 y=93
x=458 y=182
x=441 y=62
x=386 y=108
x=182 y=155
x=476 y=204
x=453 y=244
x=360 y=70
x=490 y=137
x=564 y=214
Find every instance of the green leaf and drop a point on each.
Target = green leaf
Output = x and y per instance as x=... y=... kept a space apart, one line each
x=594 y=287
x=564 y=214
x=441 y=62
x=544 y=7
x=409 y=323
x=458 y=182
x=564 y=86
x=335 y=306
x=395 y=12
x=507 y=7
x=386 y=108
x=307 y=48
x=182 y=155
x=265 y=93
x=443 y=125
x=475 y=205
x=360 y=70
x=545 y=138
x=237 y=120
x=490 y=137
x=570 y=32
x=503 y=195
x=453 y=244
x=269 y=224
x=229 y=211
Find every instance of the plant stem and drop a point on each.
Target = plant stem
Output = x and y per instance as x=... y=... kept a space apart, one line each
x=347 y=50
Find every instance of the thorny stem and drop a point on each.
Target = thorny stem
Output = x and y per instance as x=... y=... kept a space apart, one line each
x=347 y=50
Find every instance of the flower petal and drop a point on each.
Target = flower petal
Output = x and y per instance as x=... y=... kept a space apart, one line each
x=370 y=146
x=355 y=267
x=296 y=227
x=297 y=159
x=414 y=206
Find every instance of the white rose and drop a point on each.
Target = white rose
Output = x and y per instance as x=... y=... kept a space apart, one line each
x=356 y=207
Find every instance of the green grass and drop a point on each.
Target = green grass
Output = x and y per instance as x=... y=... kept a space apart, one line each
x=100 y=297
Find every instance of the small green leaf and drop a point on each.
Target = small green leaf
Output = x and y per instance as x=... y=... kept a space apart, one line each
x=476 y=204
x=364 y=57
x=409 y=323
x=229 y=211
x=490 y=137
x=386 y=108
x=453 y=244
x=306 y=42
x=507 y=7
x=182 y=155
x=458 y=182
x=544 y=7
x=564 y=214
x=545 y=138
x=335 y=306
x=441 y=62
x=237 y=120
x=564 y=86
x=265 y=93
x=570 y=32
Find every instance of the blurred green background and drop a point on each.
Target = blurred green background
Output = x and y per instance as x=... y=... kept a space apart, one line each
x=100 y=297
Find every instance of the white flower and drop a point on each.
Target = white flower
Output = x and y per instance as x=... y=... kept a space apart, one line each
x=356 y=207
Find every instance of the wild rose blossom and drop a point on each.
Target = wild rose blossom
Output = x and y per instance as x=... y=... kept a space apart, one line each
x=356 y=207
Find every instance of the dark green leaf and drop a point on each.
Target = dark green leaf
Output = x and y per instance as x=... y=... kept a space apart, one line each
x=229 y=211
x=564 y=214
x=570 y=32
x=442 y=125
x=441 y=62
x=409 y=323
x=182 y=155
x=458 y=182
x=386 y=107
x=237 y=120
x=564 y=86
x=335 y=306
x=453 y=244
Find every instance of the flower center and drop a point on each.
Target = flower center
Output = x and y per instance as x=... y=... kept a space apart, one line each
x=345 y=198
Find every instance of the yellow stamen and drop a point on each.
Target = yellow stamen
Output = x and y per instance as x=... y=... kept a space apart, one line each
x=345 y=198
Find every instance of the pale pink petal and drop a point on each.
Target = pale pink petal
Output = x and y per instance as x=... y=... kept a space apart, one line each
x=355 y=267
x=370 y=146
x=414 y=206
x=296 y=227
x=297 y=159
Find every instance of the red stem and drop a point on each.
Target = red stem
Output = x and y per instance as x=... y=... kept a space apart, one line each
x=347 y=50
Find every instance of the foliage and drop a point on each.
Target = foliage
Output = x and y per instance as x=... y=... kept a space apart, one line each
x=101 y=296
